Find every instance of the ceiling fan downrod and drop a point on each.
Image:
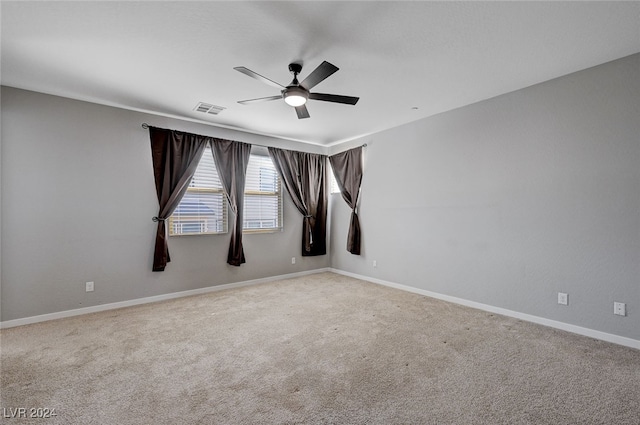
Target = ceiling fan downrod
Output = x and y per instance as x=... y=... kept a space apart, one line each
x=295 y=95
x=295 y=69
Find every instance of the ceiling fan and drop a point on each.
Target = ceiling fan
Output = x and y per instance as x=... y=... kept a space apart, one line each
x=296 y=94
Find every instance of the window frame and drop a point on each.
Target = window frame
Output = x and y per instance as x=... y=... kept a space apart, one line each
x=225 y=214
x=280 y=199
x=220 y=204
x=197 y=219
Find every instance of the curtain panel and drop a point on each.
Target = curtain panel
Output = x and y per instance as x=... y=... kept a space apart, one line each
x=347 y=169
x=175 y=158
x=231 y=160
x=303 y=175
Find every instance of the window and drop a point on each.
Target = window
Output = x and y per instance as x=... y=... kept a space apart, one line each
x=203 y=209
x=334 y=184
x=262 y=196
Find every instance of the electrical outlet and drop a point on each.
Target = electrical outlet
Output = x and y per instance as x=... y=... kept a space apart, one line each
x=375 y=264
x=293 y=260
x=89 y=286
x=619 y=309
x=563 y=298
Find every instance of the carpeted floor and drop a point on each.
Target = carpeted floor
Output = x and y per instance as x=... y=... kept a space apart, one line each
x=320 y=349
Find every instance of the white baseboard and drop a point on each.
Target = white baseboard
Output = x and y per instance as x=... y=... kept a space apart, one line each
x=153 y=299
x=591 y=333
x=616 y=339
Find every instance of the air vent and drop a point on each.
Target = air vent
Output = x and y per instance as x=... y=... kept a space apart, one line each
x=208 y=108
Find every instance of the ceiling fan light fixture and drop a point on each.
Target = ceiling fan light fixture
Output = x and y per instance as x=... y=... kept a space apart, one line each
x=295 y=96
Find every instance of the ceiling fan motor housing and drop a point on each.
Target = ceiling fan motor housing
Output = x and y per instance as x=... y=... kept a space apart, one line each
x=295 y=95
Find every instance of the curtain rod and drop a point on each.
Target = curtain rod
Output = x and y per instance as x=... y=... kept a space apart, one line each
x=146 y=126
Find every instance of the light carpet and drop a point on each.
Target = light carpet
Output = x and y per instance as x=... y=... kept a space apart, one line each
x=319 y=349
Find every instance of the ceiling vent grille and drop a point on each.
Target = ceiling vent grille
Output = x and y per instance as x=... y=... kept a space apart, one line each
x=208 y=108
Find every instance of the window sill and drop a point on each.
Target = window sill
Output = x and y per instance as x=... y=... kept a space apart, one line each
x=260 y=231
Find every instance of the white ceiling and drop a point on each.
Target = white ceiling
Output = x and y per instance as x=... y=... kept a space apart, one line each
x=165 y=57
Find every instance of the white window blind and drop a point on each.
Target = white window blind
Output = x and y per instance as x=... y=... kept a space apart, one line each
x=262 y=196
x=203 y=209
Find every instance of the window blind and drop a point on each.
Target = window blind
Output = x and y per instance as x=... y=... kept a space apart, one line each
x=203 y=209
x=262 y=196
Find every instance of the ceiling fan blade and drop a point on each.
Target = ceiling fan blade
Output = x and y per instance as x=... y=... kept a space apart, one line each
x=258 y=77
x=350 y=100
x=324 y=70
x=302 y=112
x=260 y=99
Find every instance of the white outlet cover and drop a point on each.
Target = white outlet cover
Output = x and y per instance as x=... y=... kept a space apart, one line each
x=619 y=309
x=563 y=298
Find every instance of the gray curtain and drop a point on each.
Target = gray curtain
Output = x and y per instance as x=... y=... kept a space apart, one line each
x=231 y=160
x=175 y=158
x=347 y=169
x=303 y=175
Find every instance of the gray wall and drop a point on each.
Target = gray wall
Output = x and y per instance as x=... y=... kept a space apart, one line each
x=505 y=202
x=77 y=200
x=1 y=190
x=511 y=200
